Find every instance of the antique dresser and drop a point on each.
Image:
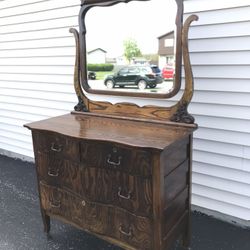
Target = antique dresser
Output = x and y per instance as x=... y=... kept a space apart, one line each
x=119 y=171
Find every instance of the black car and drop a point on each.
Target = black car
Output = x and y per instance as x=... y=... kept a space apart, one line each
x=91 y=75
x=141 y=76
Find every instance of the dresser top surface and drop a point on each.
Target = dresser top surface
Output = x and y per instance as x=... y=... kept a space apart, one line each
x=129 y=132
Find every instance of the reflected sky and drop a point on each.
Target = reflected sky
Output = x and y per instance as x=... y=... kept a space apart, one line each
x=108 y=27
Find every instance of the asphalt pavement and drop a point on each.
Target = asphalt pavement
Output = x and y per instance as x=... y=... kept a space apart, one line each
x=21 y=225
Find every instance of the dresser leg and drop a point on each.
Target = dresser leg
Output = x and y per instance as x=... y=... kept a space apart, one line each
x=46 y=221
x=186 y=244
x=186 y=240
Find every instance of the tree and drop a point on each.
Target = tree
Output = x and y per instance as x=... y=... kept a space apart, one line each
x=131 y=49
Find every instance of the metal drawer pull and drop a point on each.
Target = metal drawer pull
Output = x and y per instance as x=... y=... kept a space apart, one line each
x=56 y=148
x=50 y=173
x=56 y=204
x=129 y=233
x=122 y=196
x=114 y=163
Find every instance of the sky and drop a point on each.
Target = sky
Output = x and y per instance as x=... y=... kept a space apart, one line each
x=108 y=27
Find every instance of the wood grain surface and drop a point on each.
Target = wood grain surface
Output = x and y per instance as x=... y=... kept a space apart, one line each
x=132 y=133
x=125 y=181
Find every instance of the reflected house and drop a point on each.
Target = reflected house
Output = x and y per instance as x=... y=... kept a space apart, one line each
x=111 y=60
x=166 y=49
x=121 y=60
x=96 y=56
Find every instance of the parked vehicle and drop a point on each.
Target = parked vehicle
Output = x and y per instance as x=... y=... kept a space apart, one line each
x=156 y=69
x=141 y=76
x=91 y=75
x=168 y=72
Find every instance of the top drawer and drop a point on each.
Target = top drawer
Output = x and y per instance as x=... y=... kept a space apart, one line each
x=109 y=155
x=56 y=145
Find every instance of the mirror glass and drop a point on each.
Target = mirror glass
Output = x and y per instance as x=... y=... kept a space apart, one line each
x=131 y=46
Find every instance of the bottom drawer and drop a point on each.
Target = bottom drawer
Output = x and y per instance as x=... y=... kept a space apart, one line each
x=133 y=230
x=61 y=203
x=97 y=218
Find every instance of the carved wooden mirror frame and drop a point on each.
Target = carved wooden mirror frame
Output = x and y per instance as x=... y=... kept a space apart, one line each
x=175 y=113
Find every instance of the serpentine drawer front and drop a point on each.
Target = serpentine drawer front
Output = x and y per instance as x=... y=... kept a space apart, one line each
x=133 y=191
x=97 y=218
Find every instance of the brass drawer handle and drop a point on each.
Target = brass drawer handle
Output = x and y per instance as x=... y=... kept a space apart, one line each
x=129 y=233
x=56 y=174
x=112 y=162
x=123 y=196
x=56 y=148
x=55 y=204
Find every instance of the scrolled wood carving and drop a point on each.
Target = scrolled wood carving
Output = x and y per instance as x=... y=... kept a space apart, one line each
x=182 y=115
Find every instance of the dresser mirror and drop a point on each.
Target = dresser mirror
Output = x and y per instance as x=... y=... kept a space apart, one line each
x=153 y=30
x=137 y=40
x=106 y=25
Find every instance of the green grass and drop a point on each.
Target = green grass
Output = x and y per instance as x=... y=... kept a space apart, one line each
x=101 y=74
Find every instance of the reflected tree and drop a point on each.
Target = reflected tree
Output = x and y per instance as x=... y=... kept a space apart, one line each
x=131 y=49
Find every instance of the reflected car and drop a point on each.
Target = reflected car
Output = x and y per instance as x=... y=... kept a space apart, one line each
x=156 y=69
x=140 y=76
x=168 y=72
x=91 y=75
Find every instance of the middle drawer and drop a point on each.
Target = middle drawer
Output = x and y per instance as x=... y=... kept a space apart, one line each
x=117 y=188
x=106 y=186
x=59 y=172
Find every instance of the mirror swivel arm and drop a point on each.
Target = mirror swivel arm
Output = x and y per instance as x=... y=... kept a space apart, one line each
x=181 y=108
x=82 y=100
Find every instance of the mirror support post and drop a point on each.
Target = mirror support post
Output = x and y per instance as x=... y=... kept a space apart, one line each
x=82 y=46
x=82 y=100
x=181 y=114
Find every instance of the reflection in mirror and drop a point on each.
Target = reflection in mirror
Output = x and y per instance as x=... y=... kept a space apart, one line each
x=135 y=45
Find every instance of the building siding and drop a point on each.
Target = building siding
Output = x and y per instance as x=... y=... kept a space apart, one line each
x=36 y=66
x=36 y=82
x=219 y=47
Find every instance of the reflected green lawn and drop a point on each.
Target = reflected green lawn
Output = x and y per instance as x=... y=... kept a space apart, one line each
x=100 y=75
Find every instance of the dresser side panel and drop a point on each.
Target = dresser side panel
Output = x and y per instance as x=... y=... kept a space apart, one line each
x=175 y=160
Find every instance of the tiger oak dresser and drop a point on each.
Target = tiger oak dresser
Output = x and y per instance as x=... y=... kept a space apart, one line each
x=119 y=170
x=126 y=181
